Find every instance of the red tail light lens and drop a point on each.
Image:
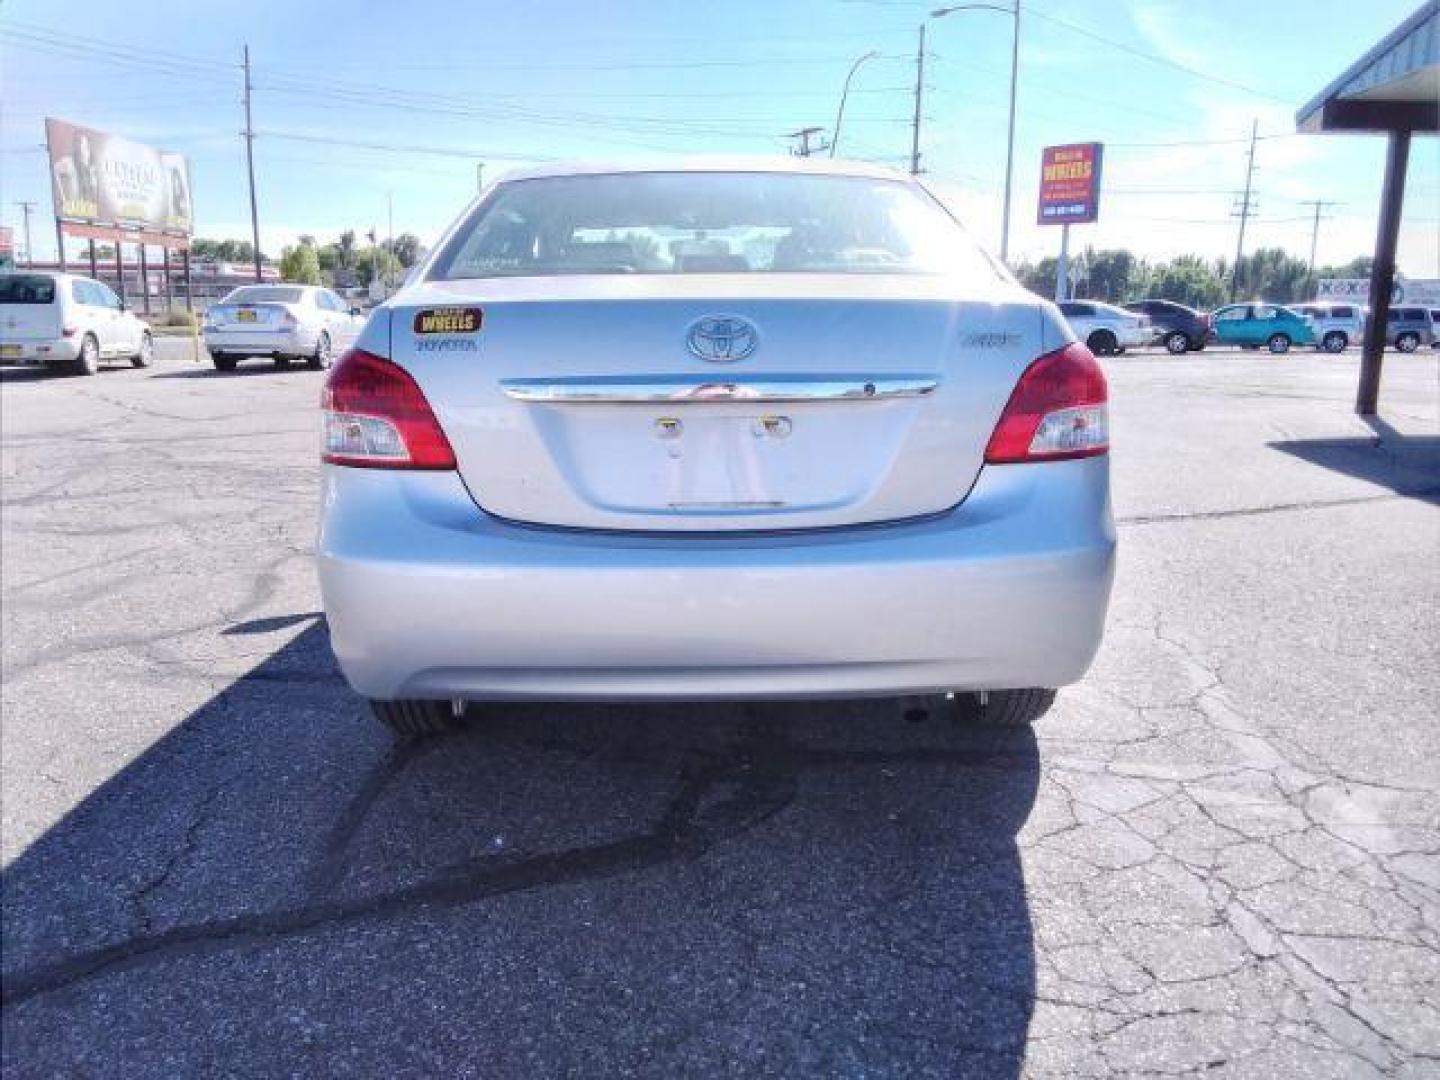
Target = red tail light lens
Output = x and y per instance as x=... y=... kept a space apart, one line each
x=1056 y=411
x=69 y=331
x=377 y=418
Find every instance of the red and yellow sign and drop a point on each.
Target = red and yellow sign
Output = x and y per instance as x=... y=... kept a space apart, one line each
x=1070 y=183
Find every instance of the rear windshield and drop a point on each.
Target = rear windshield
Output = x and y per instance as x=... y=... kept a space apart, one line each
x=264 y=294
x=26 y=289
x=699 y=222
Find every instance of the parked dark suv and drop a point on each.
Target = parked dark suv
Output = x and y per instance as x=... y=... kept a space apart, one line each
x=1179 y=328
x=1407 y=328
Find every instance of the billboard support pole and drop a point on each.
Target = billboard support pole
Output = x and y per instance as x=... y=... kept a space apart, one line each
x=144 y=280
x=189 y=285
x=94 y=270
x=59 y=246
x=120 y=268
x=165 y=250
x=1062 y=265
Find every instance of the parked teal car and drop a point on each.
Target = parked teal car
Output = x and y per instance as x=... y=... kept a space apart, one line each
x=1253 y=325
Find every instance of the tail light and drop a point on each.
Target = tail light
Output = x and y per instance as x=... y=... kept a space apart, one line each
x=1056 y=411
x=69 y=331
x=377 y=418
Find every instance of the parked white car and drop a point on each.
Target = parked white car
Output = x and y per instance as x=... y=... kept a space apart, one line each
x=69 y=322
x=1336 y=325
x=282 y=322
x=1107 y=329
x=735 y=428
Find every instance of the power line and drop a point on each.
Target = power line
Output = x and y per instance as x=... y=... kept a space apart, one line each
x=1156 y=58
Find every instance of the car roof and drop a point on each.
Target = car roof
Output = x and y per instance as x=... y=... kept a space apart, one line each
x=710 y=163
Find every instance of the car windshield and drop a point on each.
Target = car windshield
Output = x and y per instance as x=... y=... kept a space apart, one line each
x=26 y=289
x=709 y=222
x=264 y=294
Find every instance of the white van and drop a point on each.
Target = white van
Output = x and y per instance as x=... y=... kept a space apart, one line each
x=67 y=322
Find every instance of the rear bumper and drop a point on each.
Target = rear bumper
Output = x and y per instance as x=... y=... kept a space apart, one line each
x=51 y=351
x=428 y=597
x=298 y=342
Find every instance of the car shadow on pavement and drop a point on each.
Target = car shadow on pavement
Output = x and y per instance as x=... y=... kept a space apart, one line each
x=806 y=888
x=1408 y=465
x=206 y=370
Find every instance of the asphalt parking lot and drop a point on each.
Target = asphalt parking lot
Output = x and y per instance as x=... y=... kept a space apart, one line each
x=1218 y=854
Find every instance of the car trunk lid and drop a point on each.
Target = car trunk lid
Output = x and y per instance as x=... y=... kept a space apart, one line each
x=580 y=402
x=260 y=316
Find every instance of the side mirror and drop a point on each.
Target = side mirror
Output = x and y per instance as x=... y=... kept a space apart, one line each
x=356 y=311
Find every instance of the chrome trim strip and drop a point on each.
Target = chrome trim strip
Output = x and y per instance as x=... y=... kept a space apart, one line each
x=622 y=391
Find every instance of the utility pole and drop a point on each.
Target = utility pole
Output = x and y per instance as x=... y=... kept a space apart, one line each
x=25 y=208
x=250 y=167
x=390 y=228
x=1246 y=208
x=919 y=92
x=805 y=149
x=479 y=176
x=1319 y=205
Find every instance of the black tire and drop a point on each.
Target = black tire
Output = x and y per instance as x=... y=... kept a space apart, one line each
x=87 y=362
x=1177 y=343
x=1102 y=343
x=1279 y=344
x=1004 y=708
x=321 y=359
x=282 y=361
x=224 y=363
x=1334 y=342
x=1407 y=342
x=414 y=719
x=146 y=353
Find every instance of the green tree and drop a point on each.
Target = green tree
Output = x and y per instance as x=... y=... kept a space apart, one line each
x=406 y=247
x=345 y=250
x=376 y=262
x=1272 y=274
x=300 y=264
x=1189 y=280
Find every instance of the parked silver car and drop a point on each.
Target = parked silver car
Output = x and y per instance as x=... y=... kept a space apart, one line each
x=755 y=429
x=281 y=322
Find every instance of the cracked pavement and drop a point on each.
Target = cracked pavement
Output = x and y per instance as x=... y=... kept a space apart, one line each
x=1219 y=854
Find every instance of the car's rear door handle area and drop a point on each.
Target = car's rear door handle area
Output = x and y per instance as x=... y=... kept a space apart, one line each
x=671 y=389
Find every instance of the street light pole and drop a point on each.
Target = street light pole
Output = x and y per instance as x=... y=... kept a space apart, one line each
x=845 y=93
x=1014 y=12
x=1010 y=139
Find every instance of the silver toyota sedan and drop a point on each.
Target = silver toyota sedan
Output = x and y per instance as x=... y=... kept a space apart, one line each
x=713 y=430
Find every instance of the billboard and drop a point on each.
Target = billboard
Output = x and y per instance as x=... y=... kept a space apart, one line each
x=1070 y=183
x=1422 y=291
x=102 y=179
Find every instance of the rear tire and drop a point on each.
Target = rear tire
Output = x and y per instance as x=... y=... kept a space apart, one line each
x=1407 y=342
x=224 y=363
x=1334 y=342
x=1278 y=344
x=1102 y=343
x=1004 y=708
x=146 y=353
x=282 y=361
x=414 y=719
x=88 y=360
x=1177 y=343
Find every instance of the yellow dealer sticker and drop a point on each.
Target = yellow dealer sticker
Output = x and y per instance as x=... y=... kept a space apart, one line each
x=449 y=320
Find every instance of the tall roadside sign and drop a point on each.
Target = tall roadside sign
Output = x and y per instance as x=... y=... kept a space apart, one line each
x=1069 y=195
x=109 y=188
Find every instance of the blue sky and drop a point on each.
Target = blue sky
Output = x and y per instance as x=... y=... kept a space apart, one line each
x=432 y=88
